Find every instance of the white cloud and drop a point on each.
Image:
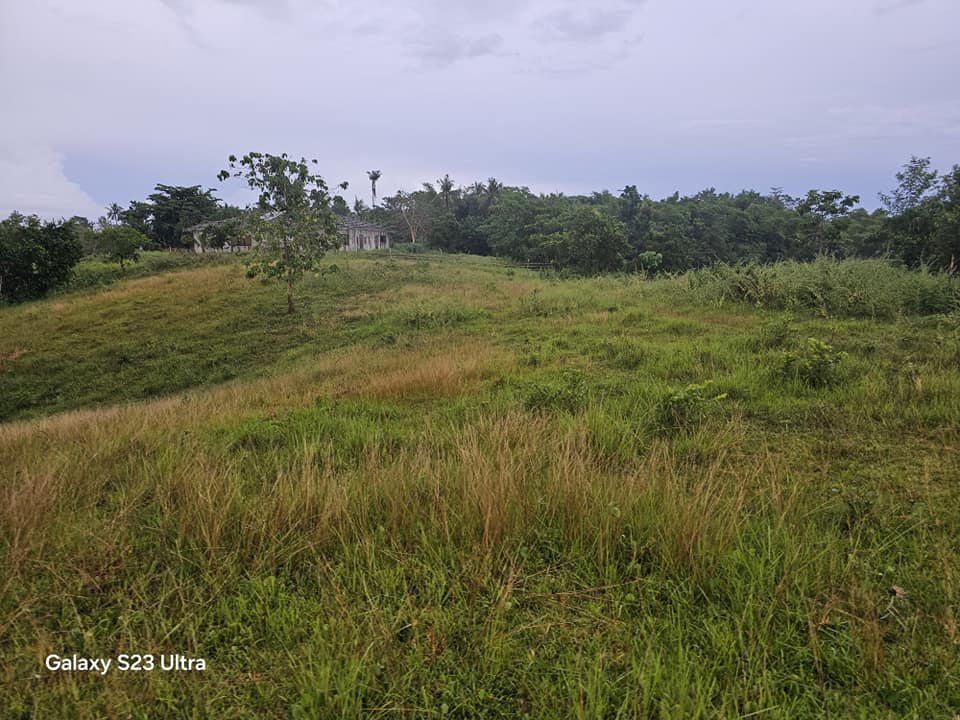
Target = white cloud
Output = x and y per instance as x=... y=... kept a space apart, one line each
x=32 y=181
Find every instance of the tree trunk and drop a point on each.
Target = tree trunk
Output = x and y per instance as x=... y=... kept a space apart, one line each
x=290 y=297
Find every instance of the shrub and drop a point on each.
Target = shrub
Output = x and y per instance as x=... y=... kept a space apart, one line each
x=818 y=365
x=773 y=334
x=623 y=352
x=683 y=409
x=568 y=394
x=830 y=288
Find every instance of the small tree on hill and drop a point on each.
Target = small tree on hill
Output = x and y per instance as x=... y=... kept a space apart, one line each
x=292 y=225
x=121 y=243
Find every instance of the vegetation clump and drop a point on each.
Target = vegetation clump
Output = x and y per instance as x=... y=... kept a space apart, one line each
x=878 y=289
x=566 y=394
x=35 y=256
x=817 y=365
x=683 y=409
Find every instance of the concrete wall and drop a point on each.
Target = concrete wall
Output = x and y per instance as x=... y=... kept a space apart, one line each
x=359 y=239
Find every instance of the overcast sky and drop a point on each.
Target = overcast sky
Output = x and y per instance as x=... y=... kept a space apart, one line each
x=104 y=99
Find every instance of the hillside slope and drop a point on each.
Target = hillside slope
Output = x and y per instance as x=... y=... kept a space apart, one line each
x=449 y=488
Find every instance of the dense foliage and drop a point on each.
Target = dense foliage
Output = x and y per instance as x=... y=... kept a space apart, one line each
x=35 y=256
x=167 y=213
x=919 y=224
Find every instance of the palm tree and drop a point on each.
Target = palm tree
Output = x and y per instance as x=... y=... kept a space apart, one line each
x=446 y=189
x=374 y=175
x=113 y=212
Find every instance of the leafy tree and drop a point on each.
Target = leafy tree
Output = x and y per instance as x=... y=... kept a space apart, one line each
x=946 y=240
x=120 y=243
x=914 y=209
x=35 y=256
x=340 y=206
x=823 y=206
x=649 y=262
x=412 y=212
x=84 y=231
x=292 y=224
x=594 y=242
x=916 y=182
x=174 y=209
x=444 y=232
x=374 y=175
x=139 y=216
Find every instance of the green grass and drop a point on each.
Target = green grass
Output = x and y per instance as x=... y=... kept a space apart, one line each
x=97 y=272
x=832 y=288
x=444 y=488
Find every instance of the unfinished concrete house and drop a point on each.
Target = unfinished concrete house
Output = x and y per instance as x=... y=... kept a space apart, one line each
x=222 y=236
x=362 y=235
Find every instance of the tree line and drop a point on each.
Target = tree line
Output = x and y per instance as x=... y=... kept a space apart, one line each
x=917 y=224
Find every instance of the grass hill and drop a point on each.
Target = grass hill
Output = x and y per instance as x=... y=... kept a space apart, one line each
x=450 y=488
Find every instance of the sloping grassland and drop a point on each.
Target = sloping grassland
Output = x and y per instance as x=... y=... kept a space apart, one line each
x=444 y=488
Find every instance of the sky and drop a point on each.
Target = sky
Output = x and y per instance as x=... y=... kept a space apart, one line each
x=105 y=99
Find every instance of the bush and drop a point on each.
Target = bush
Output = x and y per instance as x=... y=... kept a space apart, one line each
x=568 y=394
x=818 y=365
x=681 y=410
x=35 y=257
x=830 y=288
x=772 y=334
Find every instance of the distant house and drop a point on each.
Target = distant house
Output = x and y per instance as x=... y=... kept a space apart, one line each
x=362 y=235
x=219 y=236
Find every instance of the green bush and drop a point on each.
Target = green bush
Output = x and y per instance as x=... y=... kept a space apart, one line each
x=773 y=334
x=830 y=288
x=683 y=409
x=568 y=394
x=818 y=365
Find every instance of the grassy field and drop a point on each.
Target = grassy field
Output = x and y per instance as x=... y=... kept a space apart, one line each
x=445 y=488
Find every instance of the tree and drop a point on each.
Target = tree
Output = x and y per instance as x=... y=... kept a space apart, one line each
x=292 y=224
x=946 y=241
x=374 y=175
x=414 y=211
x=916 y=181
x=594 y=242
x=35 y=256
x=174 y=208
x=648 y=262
x=494 y=188
x=824 y=206
x=914 y=210
x=120 y=243
x=446 y=186
x=84 y=231
x=114 y=213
